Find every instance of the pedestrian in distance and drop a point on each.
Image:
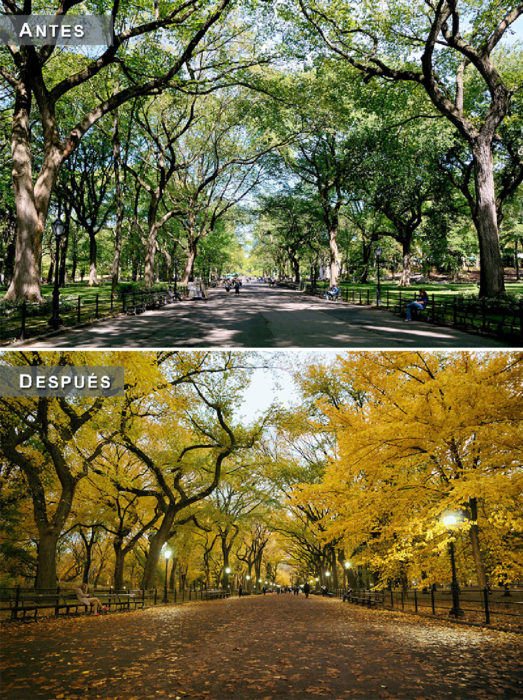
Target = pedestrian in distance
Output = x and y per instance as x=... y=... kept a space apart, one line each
x=240 y=591
x=264 y=590
x=306 y=589
x=419 y=304
x=227 y=286
x=237 y=287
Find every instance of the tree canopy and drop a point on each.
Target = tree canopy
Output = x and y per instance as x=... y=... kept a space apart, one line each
x=398 y=128
x=360 y=468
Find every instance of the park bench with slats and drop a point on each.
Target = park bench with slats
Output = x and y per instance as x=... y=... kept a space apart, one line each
x=214 y=594
x=26 y=604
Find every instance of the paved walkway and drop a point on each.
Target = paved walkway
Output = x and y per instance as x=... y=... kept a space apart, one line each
x=268 y=647
x=266 y=318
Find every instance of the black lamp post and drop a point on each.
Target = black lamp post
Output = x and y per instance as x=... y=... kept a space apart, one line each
x=175 y=261
x=58 y=230
x=378 y=290
x=167 y=554
x=456 y=611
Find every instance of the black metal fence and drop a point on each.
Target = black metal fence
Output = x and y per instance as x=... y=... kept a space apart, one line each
x=18 y=603
x=499 y=318
x=497 y=607
x=28 y=320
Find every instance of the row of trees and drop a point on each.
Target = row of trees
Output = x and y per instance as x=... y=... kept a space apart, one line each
x=90 y=484
x=358 y=473
x=335 y=126
x=417 y=436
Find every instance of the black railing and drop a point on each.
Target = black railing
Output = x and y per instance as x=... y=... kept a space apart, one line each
x=27 y=320
x=497 y=607
x=499 y=318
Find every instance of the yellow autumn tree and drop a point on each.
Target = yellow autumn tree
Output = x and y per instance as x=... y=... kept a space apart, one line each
x=428 y=434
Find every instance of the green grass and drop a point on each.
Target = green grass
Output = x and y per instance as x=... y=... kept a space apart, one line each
x=469 y=289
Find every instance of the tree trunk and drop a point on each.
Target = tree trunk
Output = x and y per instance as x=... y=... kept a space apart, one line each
x=150 y=255
x=172 y=575
x=474 y=541
x=295 y=263
x=155 y=548
x=25 y=283
x=31 y=201
x=46 y=559
x=193 y=251
x=119 y=561
x=119 y=206
x=50 y=272
x=406 y=271
x=64 y=243
x=492 y=282
x=93 y=274
x=334 y=263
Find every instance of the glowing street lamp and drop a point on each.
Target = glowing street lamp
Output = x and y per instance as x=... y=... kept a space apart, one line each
x=450 y=521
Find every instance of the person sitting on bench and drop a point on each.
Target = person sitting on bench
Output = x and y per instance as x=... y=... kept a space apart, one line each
x=333 y=293
x=84 y=598
x=419 y=304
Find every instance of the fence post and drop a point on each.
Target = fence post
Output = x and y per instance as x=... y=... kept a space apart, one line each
x=485 y=601
x=521 y=317
x=400 y=307
x=112 y=301
x=433 y=309
x=415 y=600
x=189 y=593
x=175 y=592
x=454 y=311
x=360 y=295
x=155 y=596
x=432 y=600
x=143 y=597
x=57 y=602
x=391 y=599
x=402 y=600
x=97 y=299
x=483 y=314
x=388 y=294
x=124 y=302
x=368 y=296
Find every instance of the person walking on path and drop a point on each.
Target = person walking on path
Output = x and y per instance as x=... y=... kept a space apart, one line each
x=419 y=304
x=240 y=591
x=227 y=286
x=237 y=287
x=306 y=589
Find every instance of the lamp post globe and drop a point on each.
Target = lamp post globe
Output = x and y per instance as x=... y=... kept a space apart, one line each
x=450 y=521
x=58 y=228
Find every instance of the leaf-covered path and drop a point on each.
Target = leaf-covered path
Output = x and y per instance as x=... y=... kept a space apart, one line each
x=274 y=646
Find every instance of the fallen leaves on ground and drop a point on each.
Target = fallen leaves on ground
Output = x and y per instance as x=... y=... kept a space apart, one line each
x=270 y=647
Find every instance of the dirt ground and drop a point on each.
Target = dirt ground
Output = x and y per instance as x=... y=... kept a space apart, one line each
x=268 y=647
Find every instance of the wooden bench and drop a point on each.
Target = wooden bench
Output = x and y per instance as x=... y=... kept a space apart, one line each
x=212 y=594
x=365 y=599
x=26 y=604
